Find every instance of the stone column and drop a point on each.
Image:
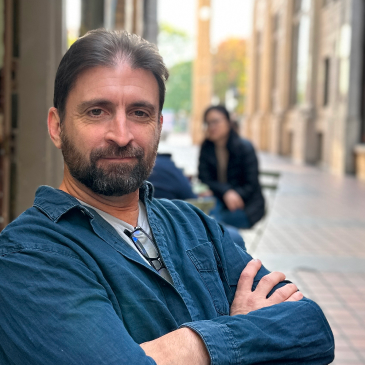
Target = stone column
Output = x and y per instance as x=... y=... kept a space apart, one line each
x=92 y=15
x=260 y=75
x=304 y=148
x=42 y=44
x=266 y=80
x=252 y=82
x=357 y=58
x=280 y=141
x=150 y=29
x=202 y=70
x=346 y=133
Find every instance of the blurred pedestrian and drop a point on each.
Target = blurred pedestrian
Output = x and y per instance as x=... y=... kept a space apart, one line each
x=169 y=181
x=228 y=165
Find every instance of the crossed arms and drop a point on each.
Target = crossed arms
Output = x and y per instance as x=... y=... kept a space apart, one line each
x=58 y=308
x=184 y=346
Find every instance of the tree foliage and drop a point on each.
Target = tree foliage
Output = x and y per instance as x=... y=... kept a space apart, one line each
x=178 y=87
x=230 y=70
x=174 y=45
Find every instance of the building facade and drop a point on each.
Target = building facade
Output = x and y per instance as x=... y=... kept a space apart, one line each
x=306 y=81
x=33 y=40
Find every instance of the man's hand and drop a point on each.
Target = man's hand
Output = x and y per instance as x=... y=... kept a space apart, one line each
x=246 y=301
x=233 y=200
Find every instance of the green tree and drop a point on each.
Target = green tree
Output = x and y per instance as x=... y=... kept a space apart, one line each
x=174 y=44
x=178 y=88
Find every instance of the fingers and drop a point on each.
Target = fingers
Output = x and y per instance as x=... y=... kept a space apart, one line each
x=247 y=276
x=268 y=282
x=295 y=297
x=287 y=292
x=233 y=200
x=243 y=302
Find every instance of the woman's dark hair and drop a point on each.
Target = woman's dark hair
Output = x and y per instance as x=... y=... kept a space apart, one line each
x=106 y=48
x=220 y=108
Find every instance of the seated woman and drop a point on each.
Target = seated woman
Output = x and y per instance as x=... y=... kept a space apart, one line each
x=229 y=166
x=169 y=182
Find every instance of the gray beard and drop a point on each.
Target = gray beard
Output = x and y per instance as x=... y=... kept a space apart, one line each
x=116 y=179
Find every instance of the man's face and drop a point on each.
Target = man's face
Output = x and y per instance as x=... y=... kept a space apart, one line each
x=111 y=130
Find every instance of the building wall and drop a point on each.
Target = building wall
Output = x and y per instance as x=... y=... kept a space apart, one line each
x=305 y=88
x=42 y=43
x=150 y=26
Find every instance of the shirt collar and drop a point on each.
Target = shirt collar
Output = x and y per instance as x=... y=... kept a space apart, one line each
x=55 y=203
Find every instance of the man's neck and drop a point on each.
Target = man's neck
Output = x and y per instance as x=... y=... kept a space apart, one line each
x=122 y=207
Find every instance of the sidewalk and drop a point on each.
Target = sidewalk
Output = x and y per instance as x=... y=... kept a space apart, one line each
x=315 y=234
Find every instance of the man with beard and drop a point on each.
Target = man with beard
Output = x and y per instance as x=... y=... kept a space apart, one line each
x=99 y=272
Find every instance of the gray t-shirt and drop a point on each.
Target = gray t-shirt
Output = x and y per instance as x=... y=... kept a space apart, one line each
x=120 y=226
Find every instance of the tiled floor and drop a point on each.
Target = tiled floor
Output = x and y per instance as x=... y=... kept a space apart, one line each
x=315 y=233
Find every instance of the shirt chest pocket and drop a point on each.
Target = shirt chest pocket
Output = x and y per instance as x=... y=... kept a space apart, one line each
x=205 y=262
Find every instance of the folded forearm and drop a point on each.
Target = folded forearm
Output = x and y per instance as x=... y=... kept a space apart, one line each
x=182 y=346
x=287 y=333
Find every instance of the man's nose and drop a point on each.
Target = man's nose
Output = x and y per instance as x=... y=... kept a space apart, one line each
x=119 y=131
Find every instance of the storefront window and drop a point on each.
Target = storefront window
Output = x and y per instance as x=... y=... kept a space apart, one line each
x=303 y=59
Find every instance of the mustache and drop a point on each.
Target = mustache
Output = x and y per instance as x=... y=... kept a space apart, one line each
x=111 y=151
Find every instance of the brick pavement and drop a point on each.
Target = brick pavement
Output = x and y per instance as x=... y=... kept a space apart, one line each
x=315 y=233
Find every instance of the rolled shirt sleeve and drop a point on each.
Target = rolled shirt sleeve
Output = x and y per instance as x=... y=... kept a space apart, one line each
x=286 y=333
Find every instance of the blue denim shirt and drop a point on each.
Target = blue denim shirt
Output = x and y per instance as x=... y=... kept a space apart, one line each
x=73 y=292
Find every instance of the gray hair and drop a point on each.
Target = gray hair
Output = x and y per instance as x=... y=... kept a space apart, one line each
x=101 y=47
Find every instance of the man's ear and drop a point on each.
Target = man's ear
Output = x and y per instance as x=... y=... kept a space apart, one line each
x=161 y=121
x=54 y=126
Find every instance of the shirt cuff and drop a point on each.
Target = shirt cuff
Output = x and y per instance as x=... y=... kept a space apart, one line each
x=219 y=341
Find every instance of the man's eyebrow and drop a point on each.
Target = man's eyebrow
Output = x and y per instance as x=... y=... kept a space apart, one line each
x=93 y=102
x=143 y=104
x=107 y=103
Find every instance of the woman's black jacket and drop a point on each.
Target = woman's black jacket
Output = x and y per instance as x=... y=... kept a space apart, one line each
x=242 y=174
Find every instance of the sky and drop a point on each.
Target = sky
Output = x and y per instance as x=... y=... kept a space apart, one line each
x=73 y=13
x=229 y=18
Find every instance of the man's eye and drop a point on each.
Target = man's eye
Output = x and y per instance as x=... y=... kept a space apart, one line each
x=96 y=112
x=140 y=113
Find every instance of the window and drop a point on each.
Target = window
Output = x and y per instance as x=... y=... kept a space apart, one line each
x=300 y=51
